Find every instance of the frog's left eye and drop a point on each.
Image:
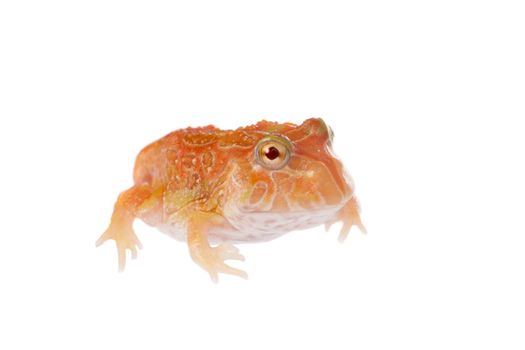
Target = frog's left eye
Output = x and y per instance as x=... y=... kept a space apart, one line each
x=273 y=152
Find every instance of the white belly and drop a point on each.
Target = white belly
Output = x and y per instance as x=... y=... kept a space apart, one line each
x=264 y=226
x=257 y=226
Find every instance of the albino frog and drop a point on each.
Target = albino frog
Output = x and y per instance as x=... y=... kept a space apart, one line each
x=206 y=185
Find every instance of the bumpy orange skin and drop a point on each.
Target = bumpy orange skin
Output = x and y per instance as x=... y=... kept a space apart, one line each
x=207 y=185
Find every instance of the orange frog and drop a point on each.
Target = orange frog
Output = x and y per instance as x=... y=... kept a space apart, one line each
x=206 y=185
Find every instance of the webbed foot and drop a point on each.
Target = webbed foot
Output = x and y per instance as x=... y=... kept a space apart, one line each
x=212 y=259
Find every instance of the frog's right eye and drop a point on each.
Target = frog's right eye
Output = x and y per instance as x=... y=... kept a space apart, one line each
x=273 y=152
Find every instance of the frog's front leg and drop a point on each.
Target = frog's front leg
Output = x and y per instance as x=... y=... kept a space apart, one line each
x=135 y=202
x=211 y=258
x=349 y=215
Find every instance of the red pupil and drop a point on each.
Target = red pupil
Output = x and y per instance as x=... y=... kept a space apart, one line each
x=271 y=153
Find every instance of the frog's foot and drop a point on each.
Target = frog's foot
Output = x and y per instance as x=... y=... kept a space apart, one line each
x=349 y=215
x=121 y=231
x=212 y=259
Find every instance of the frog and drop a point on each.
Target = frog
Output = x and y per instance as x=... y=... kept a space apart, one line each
x=215 y=189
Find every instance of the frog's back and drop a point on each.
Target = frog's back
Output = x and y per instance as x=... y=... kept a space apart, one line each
x=172 y=156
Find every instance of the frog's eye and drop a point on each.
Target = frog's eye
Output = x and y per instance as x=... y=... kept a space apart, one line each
x=273 y=152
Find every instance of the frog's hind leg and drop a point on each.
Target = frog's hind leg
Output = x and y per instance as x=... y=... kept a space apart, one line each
x=211 y=258
x=130 y=204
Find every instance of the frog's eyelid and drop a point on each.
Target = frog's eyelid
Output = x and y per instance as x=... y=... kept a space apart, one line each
x=283 y=140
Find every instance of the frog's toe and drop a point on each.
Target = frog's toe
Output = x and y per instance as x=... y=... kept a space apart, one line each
x=103 y=238
x=348 y=222
x=122 y=248
x=222 y=252
x=328 y=225
x=229 y=252
x=226 y=269
x=233 y=271
x=131 y=243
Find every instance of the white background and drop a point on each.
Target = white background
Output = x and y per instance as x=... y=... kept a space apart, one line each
x=426 y=99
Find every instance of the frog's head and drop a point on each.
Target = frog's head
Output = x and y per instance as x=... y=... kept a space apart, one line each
x=290 y=169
